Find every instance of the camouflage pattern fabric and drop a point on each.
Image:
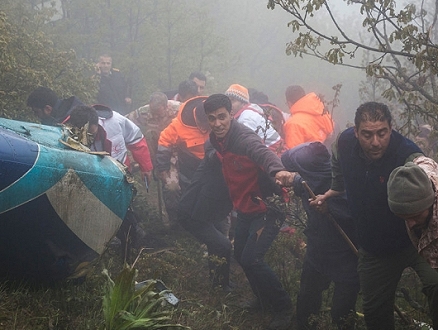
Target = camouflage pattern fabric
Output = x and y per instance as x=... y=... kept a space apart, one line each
x=152 y=125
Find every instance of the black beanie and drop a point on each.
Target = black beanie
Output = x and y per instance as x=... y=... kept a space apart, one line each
x=410 y=190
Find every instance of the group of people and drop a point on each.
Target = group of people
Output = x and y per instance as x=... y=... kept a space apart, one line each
x=222 y=156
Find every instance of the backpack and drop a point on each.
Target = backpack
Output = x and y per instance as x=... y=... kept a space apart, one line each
x=275 y=115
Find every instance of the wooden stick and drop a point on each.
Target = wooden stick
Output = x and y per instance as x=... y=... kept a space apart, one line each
x=160 y=199
x=335 y=223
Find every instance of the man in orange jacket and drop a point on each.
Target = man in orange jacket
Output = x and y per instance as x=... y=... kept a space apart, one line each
x=185 y=136
x=309 y=121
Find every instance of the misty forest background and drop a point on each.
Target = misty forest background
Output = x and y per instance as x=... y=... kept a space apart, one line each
x=349 y=52
x=156 y=44
x=379 y=47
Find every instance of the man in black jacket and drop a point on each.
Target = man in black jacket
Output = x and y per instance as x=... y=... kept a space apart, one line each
x=113 y=89
x=363 y=158
x=49 y=108
x=328 y=258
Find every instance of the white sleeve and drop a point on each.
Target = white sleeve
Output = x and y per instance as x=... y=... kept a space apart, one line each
x=254 y=121
x=131 y=132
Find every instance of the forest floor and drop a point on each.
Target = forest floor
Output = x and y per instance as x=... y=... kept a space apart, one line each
x=176 y=258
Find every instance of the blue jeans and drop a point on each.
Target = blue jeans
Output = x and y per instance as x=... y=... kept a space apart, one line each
x=254 y=235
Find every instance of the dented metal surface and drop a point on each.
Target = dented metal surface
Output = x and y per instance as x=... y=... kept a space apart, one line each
x=73 y=202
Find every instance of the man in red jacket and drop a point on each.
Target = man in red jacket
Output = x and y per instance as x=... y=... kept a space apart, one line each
x=252 y=173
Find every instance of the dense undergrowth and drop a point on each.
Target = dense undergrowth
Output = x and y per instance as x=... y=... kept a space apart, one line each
x=174 y=257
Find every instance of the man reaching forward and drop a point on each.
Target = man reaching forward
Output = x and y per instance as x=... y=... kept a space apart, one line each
x=252 y=173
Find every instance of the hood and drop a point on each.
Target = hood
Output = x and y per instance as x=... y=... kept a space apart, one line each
x=310 y=104
x=312 y=161
x=103 y=111
x=191 y=113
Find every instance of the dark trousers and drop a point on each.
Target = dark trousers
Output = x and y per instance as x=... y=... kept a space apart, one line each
x=379 y=276
x=130 y=233
x=212 y=233
x=254 y=235
x=309 y=299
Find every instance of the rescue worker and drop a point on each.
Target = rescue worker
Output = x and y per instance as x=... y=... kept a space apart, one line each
x=51 y=110
x=113 y=89
x=309 y=122
x=328 y=256
x=363 y=158
x=252 y=173
x=252 y=116
x=123 y=133
x=412 y=196
x=152 y=118
x=198 y=78
x=201 y=211
x=116 y=134
x=185 y=136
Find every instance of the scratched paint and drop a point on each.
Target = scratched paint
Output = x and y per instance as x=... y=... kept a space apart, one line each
x=55 y=200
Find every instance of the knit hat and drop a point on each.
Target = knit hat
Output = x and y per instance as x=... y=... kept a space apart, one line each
x=238 y=92
x=409 y=190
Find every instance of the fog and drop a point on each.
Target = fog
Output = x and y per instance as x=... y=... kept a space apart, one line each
x=157 y=43
x=260 y=40
x=255 y=53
